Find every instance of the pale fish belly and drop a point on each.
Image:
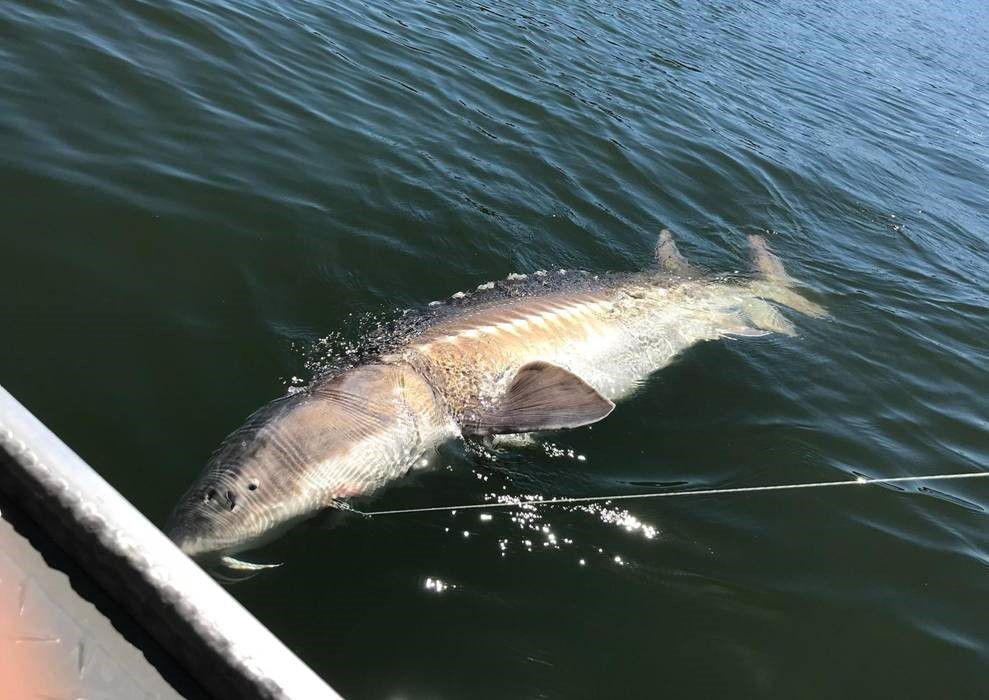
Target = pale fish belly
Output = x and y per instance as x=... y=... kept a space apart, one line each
x=640 y=333
x=612 y=338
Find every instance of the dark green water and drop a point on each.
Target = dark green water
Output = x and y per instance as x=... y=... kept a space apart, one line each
x=192 y=194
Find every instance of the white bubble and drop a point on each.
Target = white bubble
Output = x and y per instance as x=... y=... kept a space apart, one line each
x=436 y=585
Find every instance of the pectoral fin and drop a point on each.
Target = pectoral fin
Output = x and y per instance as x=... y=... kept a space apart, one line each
x=542 y=396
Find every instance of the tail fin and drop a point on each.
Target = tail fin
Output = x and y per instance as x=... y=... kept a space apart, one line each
x=775 y=284
x=669 y=257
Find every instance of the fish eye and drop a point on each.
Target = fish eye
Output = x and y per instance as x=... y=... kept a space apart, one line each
x=253 y=485
x=210 y=495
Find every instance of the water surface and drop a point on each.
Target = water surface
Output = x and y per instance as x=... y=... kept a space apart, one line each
x=195 y=193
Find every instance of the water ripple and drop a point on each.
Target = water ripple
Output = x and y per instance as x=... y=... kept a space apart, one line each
x=194 y=190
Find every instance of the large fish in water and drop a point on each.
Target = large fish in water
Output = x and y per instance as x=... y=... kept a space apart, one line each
x=533 y=362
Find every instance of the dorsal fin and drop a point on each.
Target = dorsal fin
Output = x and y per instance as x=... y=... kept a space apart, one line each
x=669 y=258
x=542 y=396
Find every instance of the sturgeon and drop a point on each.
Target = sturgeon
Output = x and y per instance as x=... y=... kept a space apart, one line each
x=553 y=360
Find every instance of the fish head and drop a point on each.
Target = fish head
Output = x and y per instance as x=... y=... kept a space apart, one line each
x=293 y=459
x=244 y=497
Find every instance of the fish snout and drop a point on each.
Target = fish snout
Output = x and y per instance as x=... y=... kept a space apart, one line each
x=199 y=524
x=216 y=516
x=189 y=533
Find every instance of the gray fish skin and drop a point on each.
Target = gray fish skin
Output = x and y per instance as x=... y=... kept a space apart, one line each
x=305 y=452
x=548 y=361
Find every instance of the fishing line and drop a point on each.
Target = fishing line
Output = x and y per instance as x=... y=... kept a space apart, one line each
x=521 y=502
